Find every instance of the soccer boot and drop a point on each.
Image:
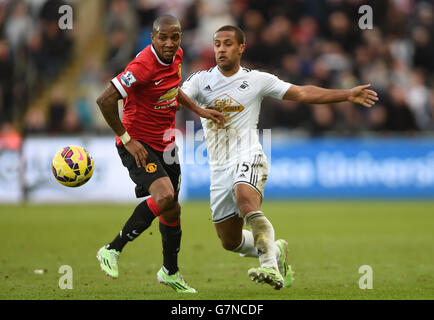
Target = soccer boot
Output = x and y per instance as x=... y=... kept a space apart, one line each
x=175 y=281
x=108 y=261
x=266 y=275
x=284 y=268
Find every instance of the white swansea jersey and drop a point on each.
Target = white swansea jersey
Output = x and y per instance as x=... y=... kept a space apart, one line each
x=239 y=97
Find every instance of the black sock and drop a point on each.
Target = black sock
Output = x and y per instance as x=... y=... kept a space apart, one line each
x=139 y=221
x=171 y=238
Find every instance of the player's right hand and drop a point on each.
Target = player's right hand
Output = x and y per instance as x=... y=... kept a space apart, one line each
x=217 y=117
x=138 y=151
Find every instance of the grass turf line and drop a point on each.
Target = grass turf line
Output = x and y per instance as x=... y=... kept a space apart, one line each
x=328 y=243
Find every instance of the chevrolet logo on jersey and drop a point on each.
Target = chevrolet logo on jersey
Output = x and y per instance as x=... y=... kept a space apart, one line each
x=169 y=96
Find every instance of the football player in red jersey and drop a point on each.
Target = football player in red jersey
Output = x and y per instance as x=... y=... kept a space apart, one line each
x=149 y=87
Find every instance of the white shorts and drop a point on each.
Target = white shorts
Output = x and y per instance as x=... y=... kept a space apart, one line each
x=252 y=172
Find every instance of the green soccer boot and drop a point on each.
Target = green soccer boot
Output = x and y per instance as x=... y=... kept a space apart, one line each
x=175 y=281
x=266 y=275
x=108 y=261
x=284 y=268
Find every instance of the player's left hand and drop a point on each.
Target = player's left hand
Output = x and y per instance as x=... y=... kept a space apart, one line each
x=361 y=95
x=217 y=117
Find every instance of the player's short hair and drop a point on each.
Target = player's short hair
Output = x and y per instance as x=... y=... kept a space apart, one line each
x=166 y=19
x=239 y=34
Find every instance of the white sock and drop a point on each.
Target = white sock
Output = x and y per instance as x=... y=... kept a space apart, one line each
x=263 y=235
x=247 y=245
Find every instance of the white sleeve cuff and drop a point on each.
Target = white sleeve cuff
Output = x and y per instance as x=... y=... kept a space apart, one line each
x=120 y=88
x=285 y=89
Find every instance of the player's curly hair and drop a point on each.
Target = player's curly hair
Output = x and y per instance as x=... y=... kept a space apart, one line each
x=239 y=34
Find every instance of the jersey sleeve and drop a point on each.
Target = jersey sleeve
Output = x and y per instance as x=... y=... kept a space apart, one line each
x=135 y=74
x=191 y=86
x=272 y=86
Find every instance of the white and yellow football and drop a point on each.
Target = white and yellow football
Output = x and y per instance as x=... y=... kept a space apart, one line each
x=72 y=166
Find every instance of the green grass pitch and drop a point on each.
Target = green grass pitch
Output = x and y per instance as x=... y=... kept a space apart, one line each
x=328 y=243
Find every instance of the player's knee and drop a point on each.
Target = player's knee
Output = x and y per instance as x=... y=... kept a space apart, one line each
x=247 y=199
x=246 y=207
x=165 y=200
x=173 y=214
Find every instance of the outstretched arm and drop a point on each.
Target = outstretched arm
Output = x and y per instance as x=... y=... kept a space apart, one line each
x=108 y=104
x=217 y=117
x=316 y=95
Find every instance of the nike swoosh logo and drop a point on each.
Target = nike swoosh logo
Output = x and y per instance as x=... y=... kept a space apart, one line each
x=158 y=82
x=81 y=158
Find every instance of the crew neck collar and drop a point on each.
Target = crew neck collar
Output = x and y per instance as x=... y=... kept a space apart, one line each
x=229 y=77
x=158 y=58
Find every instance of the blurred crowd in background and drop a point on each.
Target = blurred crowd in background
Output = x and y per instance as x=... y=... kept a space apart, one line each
x=33 y=51
x=317 y=42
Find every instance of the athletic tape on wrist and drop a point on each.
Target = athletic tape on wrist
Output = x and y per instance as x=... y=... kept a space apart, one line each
x=125 y=138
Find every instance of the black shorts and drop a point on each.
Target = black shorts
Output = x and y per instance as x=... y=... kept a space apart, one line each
x=156 y=167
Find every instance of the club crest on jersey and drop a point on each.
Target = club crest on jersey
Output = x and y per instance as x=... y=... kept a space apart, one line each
x=151 y=167
x=243 y=86
x=128 y=79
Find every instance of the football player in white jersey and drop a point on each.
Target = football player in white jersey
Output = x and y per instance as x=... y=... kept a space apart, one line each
x=238 y=165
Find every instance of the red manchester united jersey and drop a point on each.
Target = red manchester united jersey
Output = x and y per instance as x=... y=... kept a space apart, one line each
x=149 y=88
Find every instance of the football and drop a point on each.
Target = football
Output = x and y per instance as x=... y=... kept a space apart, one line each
x=72 y=166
